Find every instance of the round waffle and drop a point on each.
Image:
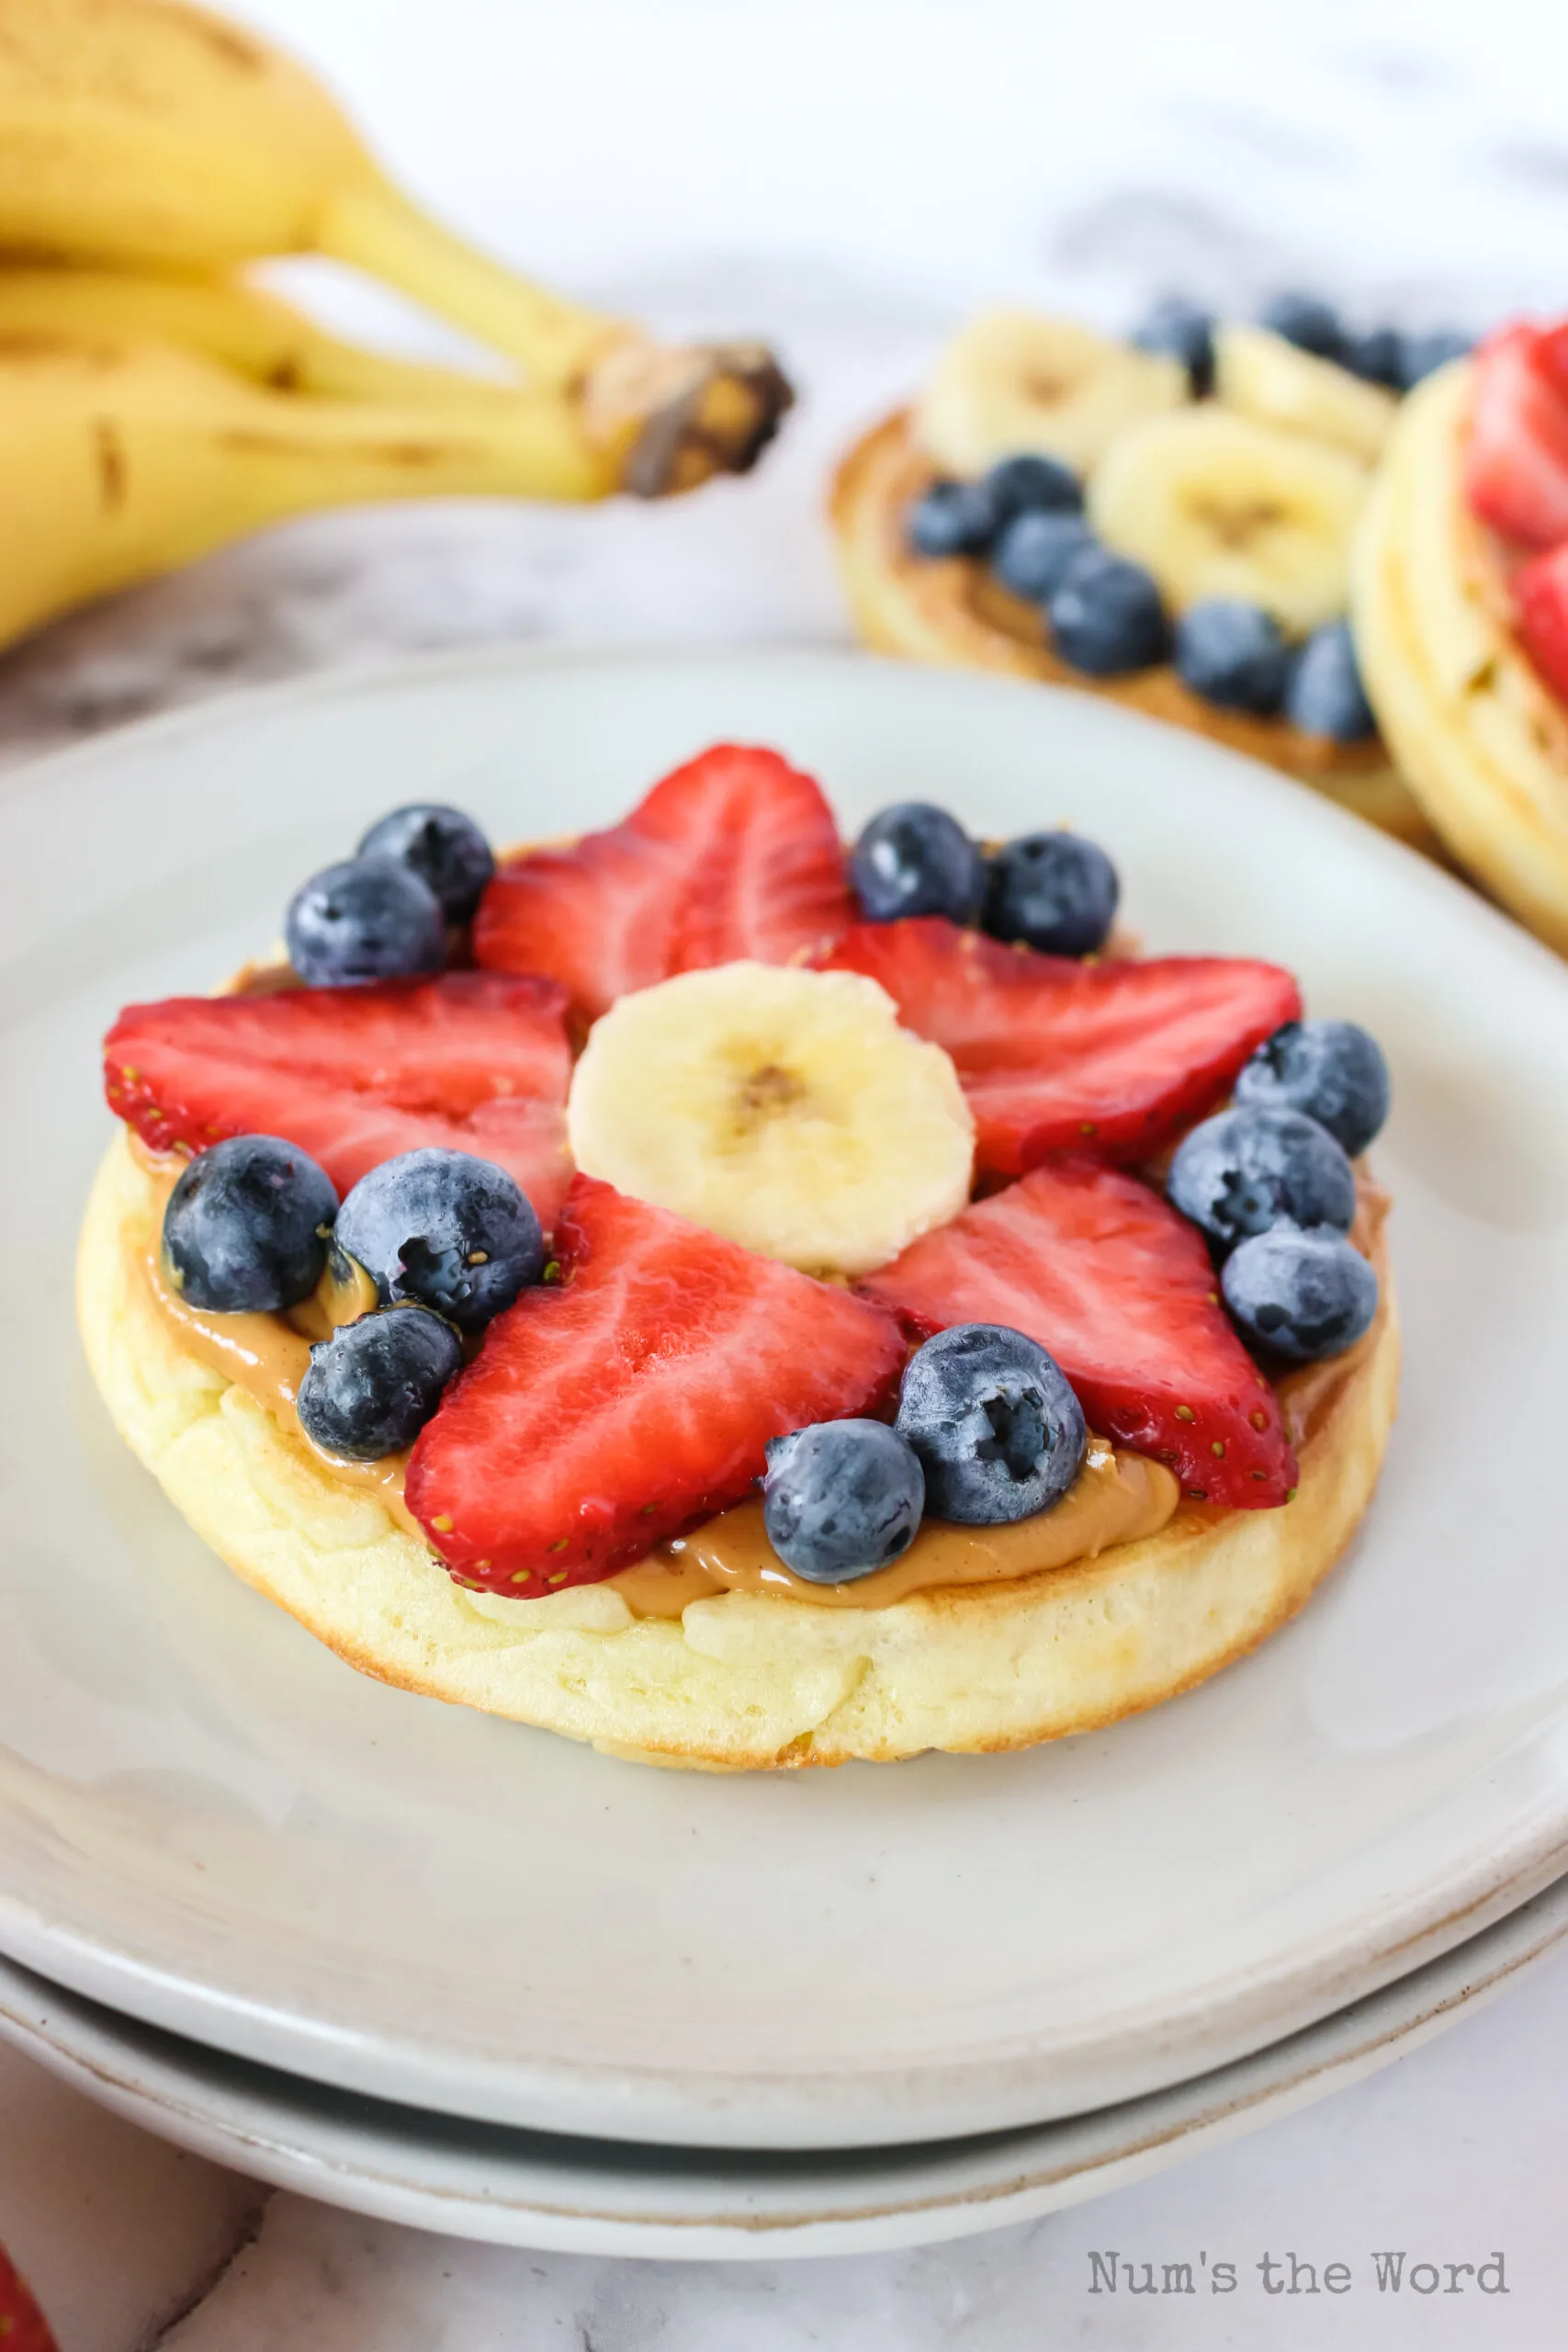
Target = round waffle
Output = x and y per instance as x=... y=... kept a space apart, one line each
x=742 y=1679
x=1482 y=742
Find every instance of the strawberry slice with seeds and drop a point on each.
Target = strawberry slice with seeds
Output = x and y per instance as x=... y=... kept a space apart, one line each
x=1057 y=1055
x=734 y=856
x=1098 y=1269
x=1540 y=601
x=634 y=1398
x=479 y=1061
x=1516 y=464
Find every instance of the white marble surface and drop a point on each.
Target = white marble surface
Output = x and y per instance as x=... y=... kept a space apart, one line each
x=848 y=176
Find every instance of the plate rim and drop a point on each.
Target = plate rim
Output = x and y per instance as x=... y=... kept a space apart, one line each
x=166 y=2090
x=371 y=674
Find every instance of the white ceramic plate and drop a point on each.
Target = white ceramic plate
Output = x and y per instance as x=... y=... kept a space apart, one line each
x=207 y=1821
x=481 y=2180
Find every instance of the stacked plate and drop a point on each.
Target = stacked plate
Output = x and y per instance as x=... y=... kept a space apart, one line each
x=442 y=1968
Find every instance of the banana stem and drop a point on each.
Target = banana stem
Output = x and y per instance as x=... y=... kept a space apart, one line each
x=674 y=417
x=374 y=226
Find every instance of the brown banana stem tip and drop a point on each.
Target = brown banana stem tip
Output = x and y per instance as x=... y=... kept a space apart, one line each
x=710 y=407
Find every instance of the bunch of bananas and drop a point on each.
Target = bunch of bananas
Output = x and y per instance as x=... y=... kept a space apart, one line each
x=153 y=406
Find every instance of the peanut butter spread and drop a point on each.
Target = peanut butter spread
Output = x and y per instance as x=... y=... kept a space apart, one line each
x=268 y=1354
x=1117 y=1497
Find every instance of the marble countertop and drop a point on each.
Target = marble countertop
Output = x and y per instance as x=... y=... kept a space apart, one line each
x=849 y=179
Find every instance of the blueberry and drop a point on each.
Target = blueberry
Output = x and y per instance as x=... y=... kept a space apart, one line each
x=1379 y=355
x=998 y=1432
x=1232 y=654
x=445 y=848
x=841 y=1499
x=1032 y=552
x=950 y=519
x=914 y=859
x=1055 y=891
x=1399 y=358
x=247 y=1226
x=365 y=920
x=1031 y=485
x=1299 y=1295
x=445 y=1229
x=1106 y=615
x=1245 y=1171
x=1324 y=694
x=1184 y=330
x=1306 y=321
x=369 y=1389
x=1423 y=352
x=1330 y=1070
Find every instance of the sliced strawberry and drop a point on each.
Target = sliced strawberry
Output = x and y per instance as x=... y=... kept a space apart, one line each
x=1096 y=1267
x=1516 y=467
x=22 y=2326
x=1540 y=601
x=1550 y=357
x=475 y=1060
x=635 y=1399
x=734 y=856
x=1055 y=1055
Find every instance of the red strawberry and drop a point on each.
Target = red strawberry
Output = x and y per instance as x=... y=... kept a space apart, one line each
x=1550 y=357
x=474 y=1060
x=1094 y=1265
x=734 y=856
x=1540 y=600
x=636 y=1398
x=1055 y=1055
x=22 y=2324
x=1516 y=467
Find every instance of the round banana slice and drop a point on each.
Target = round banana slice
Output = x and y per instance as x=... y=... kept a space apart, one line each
x=786 y=1109
x=1216 y=505
x=1260 y=374
x=1013 y=381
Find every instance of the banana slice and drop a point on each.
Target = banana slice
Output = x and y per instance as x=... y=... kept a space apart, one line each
x=786 y=1109
x=1013 y=381
x=1263 y=375
x=1216 y=505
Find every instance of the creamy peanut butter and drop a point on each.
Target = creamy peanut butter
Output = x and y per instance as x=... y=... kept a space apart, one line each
x=1117 y=1497
x=267 y=1355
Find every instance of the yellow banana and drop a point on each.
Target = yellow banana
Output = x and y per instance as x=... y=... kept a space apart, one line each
x=150 y=135
x=119 y=459
x=240 y=326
